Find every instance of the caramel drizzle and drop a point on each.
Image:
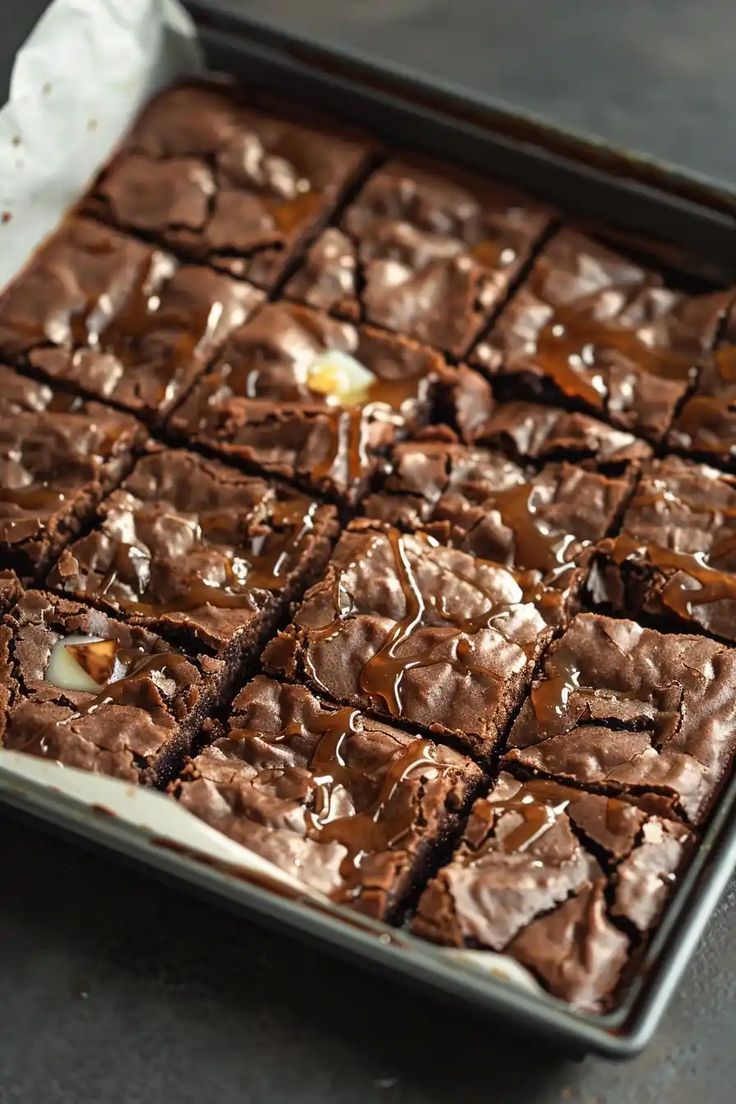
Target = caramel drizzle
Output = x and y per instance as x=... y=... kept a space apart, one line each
x=715 y=585
x=537 y=546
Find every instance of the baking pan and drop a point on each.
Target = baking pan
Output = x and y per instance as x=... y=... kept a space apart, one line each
x=696 y=219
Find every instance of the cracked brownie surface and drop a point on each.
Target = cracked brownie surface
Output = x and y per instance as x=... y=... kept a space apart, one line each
x=140 y=715
x=632 y=711
x=567 y=882
x=349 y=805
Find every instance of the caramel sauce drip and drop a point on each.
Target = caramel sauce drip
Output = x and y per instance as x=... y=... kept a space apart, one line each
x=572 y=345
x=290 y=214
x=714 y=585
x=537 y=546
x=382 y=675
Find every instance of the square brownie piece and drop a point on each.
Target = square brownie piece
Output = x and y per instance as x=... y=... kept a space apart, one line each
x=303 y=395
x=59 y=455
x=352 y=807
x=423 y=251
x=596 y=329
x=116 y=319
x=90 y=692
x=545 y=521
x=218 y=179
x=706 y=424
x=417 y=632
x=675 y=556
x=200 y=552
x=569 y=883
x=629 y=710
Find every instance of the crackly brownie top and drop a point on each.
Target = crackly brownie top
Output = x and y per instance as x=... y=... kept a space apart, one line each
x=360 y=386
x=211 y=175
x=117 y=318
x=417 y=631
x=678 y=537
x=633 y=710
x=599 y=329
x=136 y=689
x=196 y=543
x=545 y=872
x=52 y=448
x=423 y=251
x=341 y=801
x=479 y=500
x=706 y=425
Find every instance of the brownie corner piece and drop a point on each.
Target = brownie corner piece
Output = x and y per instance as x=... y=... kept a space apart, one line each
x=675 y=556
x=59 y=455
x=418 y=632
x=117 y=319
x=422 y=250
x=320 y=401
x=220 y=178
x=200 y=551
x=91 y=692
x=569 y=883
x=630 y=710
x=352 y=807
x=598 y=330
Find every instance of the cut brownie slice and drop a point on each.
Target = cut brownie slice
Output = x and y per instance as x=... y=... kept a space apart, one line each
x=567 y=882
x=416 y=631
x=593 y=327
x=423 y=251
x=117 y=319
x=305 y=396
x=200 y=551
x=94 y=693
x=545 y=521
x=632 y=711
x=350 y=806
x=58 y=456
x=219 y=180
x=706 y=425
x=675 y=557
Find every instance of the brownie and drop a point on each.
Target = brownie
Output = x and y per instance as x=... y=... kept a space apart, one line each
x=116 y=319
x=352 y=807
x=532 y=431
x=569 y=883
x=424 y=251
x=219 y=180
x=131 y=708
x=417 y=632
x=199 y=551
x=311 y=398
x=594 y=328
x=476 y=499
x=675 y=556
x=706 y=424
x=58 y=456
x=629 y=710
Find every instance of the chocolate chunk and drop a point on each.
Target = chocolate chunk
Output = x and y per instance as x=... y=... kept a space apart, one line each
x=117 y=319
x=424 y=251
x=632 y=710
x=417 y=632
x=545 y=872
x=350 y=806
x=267 y=399
x=598 y=330
x=136 y=727
x=58 y=457
x=196 y=549
x=218 y=180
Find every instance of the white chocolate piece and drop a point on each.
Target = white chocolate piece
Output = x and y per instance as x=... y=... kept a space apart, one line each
x=66 y=672
x=339 y=376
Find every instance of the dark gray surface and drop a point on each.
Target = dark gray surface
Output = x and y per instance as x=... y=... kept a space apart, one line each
x=116 y=989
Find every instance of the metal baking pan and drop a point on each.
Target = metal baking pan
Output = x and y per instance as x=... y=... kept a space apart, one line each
x=627 y=194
